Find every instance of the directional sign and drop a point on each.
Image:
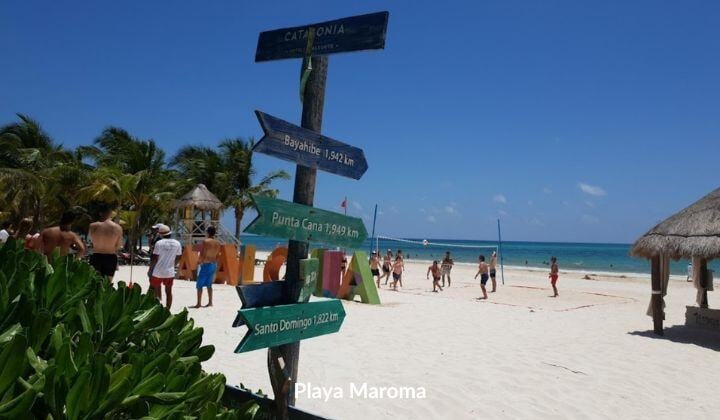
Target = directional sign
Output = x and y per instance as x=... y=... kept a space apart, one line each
x=272 y=326
x=364 y=32
x=283 y=219
x=299 y=145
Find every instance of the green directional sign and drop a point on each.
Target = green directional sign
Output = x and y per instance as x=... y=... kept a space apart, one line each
x=283 y=219
x=272 y=326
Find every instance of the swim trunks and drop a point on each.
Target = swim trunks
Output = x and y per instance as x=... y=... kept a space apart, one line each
x=492 y=272
x=483 y=279
x=105 y=264
x=553 y=279
x=206 y=275
x=396 y=276
x=386 y=269
x=375 y=272
x=157 y=281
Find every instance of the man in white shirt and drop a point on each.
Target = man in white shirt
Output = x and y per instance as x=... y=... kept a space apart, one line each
x=5 y=232
x=166 y=255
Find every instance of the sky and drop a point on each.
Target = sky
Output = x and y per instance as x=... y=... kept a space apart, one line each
x=568 y=121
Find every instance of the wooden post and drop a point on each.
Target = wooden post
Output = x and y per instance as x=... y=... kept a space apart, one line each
x=283 y=360
x=703 y=282
x=656 y=299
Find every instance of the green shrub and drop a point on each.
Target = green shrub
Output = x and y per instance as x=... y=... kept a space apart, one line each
x=72 y=346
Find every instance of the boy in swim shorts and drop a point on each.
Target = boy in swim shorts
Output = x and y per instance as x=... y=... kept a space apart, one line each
x=483 y=273
x=208 y=266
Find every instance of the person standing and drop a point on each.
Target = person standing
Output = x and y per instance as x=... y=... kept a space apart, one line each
x=402 y=260
x=493 y=271
x=483 y=273
x=435 y=270
x=397 y=271
x=375 y=267
x=447 y=265
x=554 y=271
x=387 y=266
x=208 y=266
x=166 y=255
x=62 y=238
x=106 y=237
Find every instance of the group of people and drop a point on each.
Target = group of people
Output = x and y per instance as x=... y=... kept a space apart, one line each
x=440 y=270
x=106 y=237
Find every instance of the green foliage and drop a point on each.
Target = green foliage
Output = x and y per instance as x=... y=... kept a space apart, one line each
x=74 y=347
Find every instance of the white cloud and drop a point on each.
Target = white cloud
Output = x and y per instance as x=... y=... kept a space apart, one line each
x=431 y=219
x=590 y=220
x=450 y=210
x=499 y=198
x=591 y=189
x=547 y=190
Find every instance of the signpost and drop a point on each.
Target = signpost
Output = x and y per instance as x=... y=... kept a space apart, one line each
x=364 y=32
x=272 y=326
x=308 y=148
x=312 y=43
x=283 y=219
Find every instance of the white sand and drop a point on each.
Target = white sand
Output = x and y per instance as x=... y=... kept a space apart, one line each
x=588 y=354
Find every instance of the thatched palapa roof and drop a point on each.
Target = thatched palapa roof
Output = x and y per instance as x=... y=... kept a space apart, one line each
x=201 y=198
x=692 y=232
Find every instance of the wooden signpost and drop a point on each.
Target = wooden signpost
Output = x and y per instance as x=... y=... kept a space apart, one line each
x=271 y=326
x=312 y=43
x=308 y=148
x=364 y=32
x=283 y=219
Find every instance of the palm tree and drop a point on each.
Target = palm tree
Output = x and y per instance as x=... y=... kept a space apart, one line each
x=37 y=175
x=228 y=172
x=130 y=172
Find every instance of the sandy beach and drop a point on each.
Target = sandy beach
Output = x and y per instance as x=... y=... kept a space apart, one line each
x=521 y=354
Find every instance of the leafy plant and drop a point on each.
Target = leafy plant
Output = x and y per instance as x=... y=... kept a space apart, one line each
x=74 y=347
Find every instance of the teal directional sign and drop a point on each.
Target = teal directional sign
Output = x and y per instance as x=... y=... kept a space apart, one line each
x=283 y=219
x=272 y=326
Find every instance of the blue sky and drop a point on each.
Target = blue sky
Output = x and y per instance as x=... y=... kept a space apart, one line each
x=570 y=121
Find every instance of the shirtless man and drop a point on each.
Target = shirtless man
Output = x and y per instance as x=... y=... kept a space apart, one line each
x=375 y=267
x=402 y=259
x=387 y=266
x=483 y=273
x=62 y=238
x=207 y=266
x=447 y=265
x=398 y=268
x=554 y=270
x=435 y=270
x=106 y=237
x=493 y=271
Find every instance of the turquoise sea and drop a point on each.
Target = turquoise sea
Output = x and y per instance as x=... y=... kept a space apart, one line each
x=588 y=257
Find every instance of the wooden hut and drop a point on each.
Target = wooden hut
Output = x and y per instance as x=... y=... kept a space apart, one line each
x=693 y=233
x=197 y=210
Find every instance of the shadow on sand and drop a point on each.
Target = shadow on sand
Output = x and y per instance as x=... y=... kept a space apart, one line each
x=686 y=335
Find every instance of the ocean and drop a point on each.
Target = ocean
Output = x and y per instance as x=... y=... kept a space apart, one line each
x=584 y=257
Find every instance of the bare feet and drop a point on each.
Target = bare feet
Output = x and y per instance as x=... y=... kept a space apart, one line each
x=208 y=305
x=196 y=307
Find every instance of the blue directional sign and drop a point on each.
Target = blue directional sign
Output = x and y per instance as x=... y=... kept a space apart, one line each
x=305 y=147
x=364 y=32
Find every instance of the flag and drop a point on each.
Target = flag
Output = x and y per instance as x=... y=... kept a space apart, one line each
x=344 y=203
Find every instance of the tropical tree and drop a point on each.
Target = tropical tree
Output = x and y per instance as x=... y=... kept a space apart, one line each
x=228 y=172
x=37 y=175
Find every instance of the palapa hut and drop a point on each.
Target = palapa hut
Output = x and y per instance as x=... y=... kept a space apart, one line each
x=693 y=233
x=197 y=210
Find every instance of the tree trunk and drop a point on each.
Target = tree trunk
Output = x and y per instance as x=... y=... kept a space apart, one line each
x=239 y=213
